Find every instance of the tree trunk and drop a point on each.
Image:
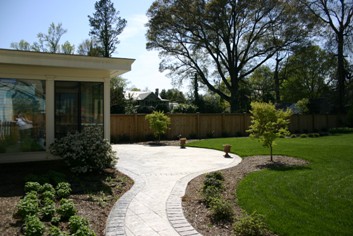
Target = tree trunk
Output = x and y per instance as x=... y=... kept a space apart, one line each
x=276 y=79
x=340 y=74
x=271 y=153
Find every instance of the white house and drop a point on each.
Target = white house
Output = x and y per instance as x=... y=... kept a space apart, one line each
x=43 y=96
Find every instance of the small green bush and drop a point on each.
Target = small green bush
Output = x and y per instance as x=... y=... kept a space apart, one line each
x=47 y=210
x=47 y=187
x=214 y=179
x=86 y=151
x=29 y=205
x=221 y=210
x=66 y=209
x=76 y=222
x=210 y=193
x=33 y=226
x=63 y=190
x=304 y=135
x=32 y=186
x=341 y=130
x=48 y=195
x=55 y=231
x=84 y=231
x=250 y=225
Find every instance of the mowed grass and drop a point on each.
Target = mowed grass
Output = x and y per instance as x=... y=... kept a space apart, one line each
x=313 y=200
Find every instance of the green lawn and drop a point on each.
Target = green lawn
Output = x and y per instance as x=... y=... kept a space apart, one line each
x=317 y=200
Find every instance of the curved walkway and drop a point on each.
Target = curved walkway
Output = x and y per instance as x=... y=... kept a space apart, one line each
x=161 y=173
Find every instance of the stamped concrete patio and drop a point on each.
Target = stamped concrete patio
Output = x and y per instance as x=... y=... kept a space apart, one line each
x=161 y=173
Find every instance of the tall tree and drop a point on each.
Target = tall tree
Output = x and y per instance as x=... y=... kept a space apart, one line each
x=337 y=15
x=309 y=73
x=49 y=42
x=221 y=39
x=106 y=26
x=68 y=48
x=262 y=85
x=52 y=38
x=89 y=48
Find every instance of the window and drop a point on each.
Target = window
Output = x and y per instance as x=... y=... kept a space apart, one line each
x=77 y=105
x=22 y=115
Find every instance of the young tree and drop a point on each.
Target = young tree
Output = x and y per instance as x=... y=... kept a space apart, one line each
x=158 y=122
x=88 y=48
x=267 y=123
x=68 y=48
x=106 y=26
x=221 y=41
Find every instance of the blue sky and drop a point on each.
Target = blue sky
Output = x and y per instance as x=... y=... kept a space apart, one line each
x=23 y=19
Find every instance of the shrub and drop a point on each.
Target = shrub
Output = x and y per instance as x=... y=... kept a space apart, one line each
x=32 y=186
x=63 y=190
x=29 y=205
x=33 y=226
x=48 y=195
x=66 y=209
x=47 y=188
x=221 y=210
x=210 y=193
x=79 y=226
x=250 y=225
x=86 y=151
x=47 y=211
x=304 y=135
x=214 y=179
x=158 y=122
x=55 y=231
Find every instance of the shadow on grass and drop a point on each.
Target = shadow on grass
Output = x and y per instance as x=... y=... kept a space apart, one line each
x=280 y=166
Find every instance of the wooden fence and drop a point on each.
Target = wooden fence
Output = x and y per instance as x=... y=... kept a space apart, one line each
x=127 y=128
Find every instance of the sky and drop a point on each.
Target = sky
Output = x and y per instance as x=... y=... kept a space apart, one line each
x=24 y=19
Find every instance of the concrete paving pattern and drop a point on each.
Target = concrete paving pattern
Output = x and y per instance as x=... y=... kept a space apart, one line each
x=161 y=173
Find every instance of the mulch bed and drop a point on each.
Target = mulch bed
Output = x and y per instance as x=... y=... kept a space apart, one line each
x=199 y=215
x=93 y=194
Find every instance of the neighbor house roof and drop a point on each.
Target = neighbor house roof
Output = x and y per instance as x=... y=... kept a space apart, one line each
x=136 y=95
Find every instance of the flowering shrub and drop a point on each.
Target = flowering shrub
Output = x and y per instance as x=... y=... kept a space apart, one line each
x=85 y=151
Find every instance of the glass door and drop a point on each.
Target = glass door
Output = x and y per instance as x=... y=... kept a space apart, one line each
x=67 y=104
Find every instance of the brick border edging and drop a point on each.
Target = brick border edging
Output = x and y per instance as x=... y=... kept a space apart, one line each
x=174 y=207
x=115 y=225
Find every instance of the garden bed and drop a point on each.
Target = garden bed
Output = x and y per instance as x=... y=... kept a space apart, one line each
x=93 y=194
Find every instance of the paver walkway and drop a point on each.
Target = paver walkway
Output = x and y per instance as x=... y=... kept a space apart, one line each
x=161 y=173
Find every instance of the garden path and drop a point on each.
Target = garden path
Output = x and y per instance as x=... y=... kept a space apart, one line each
x=161 y=173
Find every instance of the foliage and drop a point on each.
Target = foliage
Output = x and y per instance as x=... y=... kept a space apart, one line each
x=250 y=225
x=117 y=99
x=79 y=226
x=302 y=105
x=158 y=123
x=262 y=85
x=28 y=205
x=308 y=73
x=337 y=17
x=267 y=123
x=32 y=186
x=212 y=187
x=33 y=226
x=55 y=231
x=47 y=210
x=63 y=190
x=85 y=151
x=184 y=108
x=106 y=26
x=209 y=39
x=66 y=209
x=221 y=210
x=46 y=42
